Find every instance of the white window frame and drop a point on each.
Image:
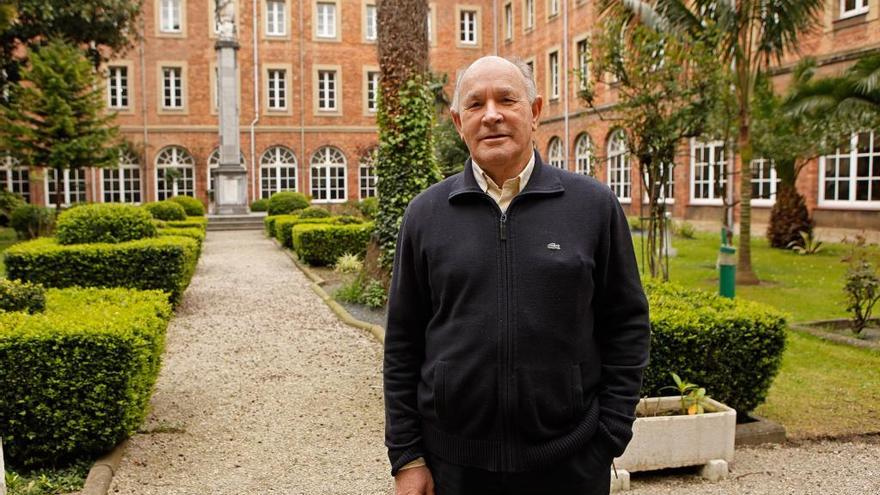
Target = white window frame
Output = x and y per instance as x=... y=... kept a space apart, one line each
x=508 y=21
x=556 y=153
x=528 y=15
x=183 y=160
x=371 y=22
x=175 y=86
x=367 y=177
x=371 y=90
x=712 y=199
x=277 y=95
x=431 y=21
x=583 y=153
x=118 y=87
x=861 y=7
x=171 y=11
x=667 y=192
x=328 y=84
x=582 y=60
x=852 y=179
x=326 y=20
x=770 y=181
x=467 y=27
x=553 y=80
x=123 y=179
x=276 y=18
x=323 y=162
x=69 y=176
x=274 y=159
x=618 y=167
x=16 y=178
x=553 y=8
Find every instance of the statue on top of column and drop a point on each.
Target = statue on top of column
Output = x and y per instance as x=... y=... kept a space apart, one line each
x=225 y=14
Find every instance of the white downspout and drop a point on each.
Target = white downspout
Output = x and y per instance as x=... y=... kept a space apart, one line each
x=301 y=163
x=254 y=178
x=145 y=177
x=495 y=27
x=567 y=146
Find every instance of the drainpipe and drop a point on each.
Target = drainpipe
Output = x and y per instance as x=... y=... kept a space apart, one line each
x=495 y=27
x=567 y=146
x=301 y=163
x=253 y=124
x=144 y=176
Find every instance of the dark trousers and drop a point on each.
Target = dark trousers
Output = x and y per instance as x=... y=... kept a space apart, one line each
x=581 y=474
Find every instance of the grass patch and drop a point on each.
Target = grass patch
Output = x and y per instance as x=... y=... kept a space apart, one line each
x=48 y=481
x=823 y=389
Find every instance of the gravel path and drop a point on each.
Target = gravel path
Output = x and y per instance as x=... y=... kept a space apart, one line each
x=262 y=390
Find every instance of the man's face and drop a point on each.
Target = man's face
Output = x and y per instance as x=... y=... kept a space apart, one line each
x=495 y=118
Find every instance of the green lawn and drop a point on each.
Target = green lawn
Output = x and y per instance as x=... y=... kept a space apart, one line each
x=823 y=389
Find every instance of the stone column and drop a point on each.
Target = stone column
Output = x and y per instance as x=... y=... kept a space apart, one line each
x=230 y=178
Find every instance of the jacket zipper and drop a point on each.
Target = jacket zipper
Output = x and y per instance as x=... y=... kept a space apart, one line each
x=506 y=350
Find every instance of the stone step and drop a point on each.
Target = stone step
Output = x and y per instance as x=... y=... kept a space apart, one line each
x=252 y=221
x=234 y=226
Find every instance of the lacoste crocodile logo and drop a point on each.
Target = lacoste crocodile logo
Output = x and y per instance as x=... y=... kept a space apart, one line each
x=553 y=246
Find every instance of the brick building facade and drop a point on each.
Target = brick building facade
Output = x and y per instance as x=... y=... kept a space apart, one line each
x=307 y=108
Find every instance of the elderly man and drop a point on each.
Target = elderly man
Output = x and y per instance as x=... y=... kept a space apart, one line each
x=517 y=327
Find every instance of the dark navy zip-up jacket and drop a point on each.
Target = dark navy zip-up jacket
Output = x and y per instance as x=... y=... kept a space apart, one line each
x=513 y=339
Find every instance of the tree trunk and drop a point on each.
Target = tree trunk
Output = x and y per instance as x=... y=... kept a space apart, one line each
x=59 y=190
x=788 y=218
x=745 y=275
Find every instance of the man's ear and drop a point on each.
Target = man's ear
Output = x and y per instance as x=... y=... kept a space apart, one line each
x=456 y=119
x=537 y=105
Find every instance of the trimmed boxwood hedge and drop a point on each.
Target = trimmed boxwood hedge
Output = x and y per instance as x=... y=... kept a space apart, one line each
x=77 y=379
x=269 y=223
x=314 y=212
x=284 y=227
x=165 y=210
x=192 y=232
x=164 y=263
x=321 y=244
x=198 y=222
x=108 y=222
x=16 y=295
x=286 y=202
x=260 y=205
x=192 y=206
x=733 y=348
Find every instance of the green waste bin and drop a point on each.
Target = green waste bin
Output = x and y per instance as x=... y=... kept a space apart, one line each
x=727 y=271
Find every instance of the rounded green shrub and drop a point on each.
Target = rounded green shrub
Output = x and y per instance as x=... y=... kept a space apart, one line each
x=9 y=201
x=282 y=203
x=165 y=210
x=16 y=295
x=321 y=244
x=314 y=212
x=192 y=206
x=109 y=222
x=260 y=205
x=32 y=221
x=731 y=347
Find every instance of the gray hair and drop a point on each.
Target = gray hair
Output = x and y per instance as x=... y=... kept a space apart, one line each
x=524 y=68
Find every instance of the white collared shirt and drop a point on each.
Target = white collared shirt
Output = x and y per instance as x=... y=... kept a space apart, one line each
x=503 y=195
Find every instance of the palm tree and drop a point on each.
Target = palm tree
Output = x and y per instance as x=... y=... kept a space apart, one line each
x=750 y=35
x=854 y=96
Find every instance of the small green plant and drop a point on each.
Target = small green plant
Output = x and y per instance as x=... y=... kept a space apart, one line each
x=363 y=290
x=314 y=212
x=348 y=263
x=861 y=286
x=807 y=245
x=285 y=202
x=685 y=230
x=48 y=481
x=165 y=210
x=260 y=205
x=192 y=206
x=32 y=221
x=375 y=296
x=693 y=397
x=635 y=224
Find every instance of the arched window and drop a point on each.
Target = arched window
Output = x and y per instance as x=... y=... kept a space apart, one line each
x=123 y=184
x=14 y=177
x=175 y=173
x=73 y=186
x=583 y=154
x=328 y=175
x=619 y=179
x=214 y=162
x=367 y=174
x=277 y=171
x=555 y=153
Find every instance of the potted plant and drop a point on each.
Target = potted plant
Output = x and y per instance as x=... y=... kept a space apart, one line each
x=688 y=429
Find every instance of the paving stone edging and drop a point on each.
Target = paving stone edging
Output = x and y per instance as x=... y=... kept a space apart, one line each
x=833 y=337
x=101 y=474
x=377 y=331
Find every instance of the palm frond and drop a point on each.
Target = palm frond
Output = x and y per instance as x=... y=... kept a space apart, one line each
x=866 y=74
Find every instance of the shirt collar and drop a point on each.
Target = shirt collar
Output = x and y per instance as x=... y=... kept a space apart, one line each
x=483 y=179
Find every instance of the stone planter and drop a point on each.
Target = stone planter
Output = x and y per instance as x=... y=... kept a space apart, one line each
x=661 y=442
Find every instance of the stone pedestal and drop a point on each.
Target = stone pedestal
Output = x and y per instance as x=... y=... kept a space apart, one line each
x=230 y=178
x=231 y=190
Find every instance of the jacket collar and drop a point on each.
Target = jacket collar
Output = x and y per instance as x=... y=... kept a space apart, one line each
x=544 y=180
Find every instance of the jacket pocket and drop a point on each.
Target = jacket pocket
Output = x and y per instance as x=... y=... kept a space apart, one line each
x=466 y=399
x=548 y=400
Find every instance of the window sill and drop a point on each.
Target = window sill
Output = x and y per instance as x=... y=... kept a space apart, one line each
x=849 y=205
x=850 y=20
